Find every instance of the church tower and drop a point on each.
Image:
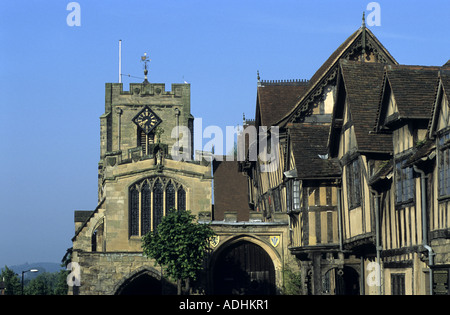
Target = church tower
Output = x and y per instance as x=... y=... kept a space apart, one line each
x=141 y=178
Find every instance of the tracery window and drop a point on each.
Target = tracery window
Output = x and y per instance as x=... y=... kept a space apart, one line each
x=150 y=199
x=134 y=211
x=170 y=197
x=146 y=208
x=181 y=198
x=158 y=197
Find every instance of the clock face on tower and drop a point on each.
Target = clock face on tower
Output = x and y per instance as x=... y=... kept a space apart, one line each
x=147 y=120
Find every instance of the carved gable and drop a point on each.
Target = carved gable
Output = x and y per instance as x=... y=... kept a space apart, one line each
x=360 y=46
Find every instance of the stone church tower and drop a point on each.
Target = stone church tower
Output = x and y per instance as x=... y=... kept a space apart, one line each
x=139 y=181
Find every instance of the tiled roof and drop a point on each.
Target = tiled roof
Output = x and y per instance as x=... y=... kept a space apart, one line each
x=308 y=142
x=445 y=79
x=275 y=100
x=363 y=83
x=332 y=61
x=230 y=190
x=414 y=89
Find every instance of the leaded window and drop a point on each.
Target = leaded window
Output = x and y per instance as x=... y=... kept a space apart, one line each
x=354 y=184
x=398 y=284
x=158 y=198
x=277 y=200
x=404 y=183
x=444 y=164
x=134 y=211
x=181 y=198
x=296 y=195
x=293 y=195
x=151 y=199
x=146 y=208
x=170 y=197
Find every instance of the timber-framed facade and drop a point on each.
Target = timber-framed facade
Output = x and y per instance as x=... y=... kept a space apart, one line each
x=357 y=203
x=364 y=180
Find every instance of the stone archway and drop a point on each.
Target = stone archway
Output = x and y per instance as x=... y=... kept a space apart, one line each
x=143 y=282
x=243 y=267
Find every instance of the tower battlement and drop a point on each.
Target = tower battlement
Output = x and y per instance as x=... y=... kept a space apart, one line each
x=149 y=89
x=119 y=129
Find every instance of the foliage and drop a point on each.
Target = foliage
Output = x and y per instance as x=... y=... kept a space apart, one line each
x=292 y=282
x=48 y=284
x=179 y=244
x=45 y=283
x=11 y=281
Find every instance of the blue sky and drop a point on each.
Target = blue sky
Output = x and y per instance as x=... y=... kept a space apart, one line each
x=52 y=79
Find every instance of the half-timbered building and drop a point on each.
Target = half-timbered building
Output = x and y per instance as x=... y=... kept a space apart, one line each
x=405 y=107
x=362 y=174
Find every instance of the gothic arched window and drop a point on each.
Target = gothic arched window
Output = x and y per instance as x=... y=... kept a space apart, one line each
x=170 y=197
x=134 y=211
x=150 y=199
x=158 y=199
x=146 y=208
x=181 y=198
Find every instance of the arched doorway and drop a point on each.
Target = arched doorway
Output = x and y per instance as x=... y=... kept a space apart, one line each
x=244 y=268
x=341 y=281
x=141 y=284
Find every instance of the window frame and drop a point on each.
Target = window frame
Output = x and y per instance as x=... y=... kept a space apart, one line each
x=398 y=284
x=354 y=183
x=293 y=195
x=443 y=144
x=404 y=183
x=140 y=221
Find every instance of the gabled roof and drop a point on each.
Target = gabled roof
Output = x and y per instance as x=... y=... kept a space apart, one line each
x=445 y=79
x=349 y=49
x=414 y=89
x=363 y=83
x=275 y=99
x=444 y=88
x=308 y=142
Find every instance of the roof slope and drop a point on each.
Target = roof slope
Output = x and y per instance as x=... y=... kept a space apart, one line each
x=414 y=89
x=445 y=79
x=275 y=100
x=363 y=83
x=308 y=141
x=347 y=50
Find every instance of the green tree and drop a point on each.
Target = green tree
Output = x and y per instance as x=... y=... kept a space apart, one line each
x=41 y=285
x=47 y=283
x=11 y=280
x=180 y=245
x=61 y=287
x=292 y=282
